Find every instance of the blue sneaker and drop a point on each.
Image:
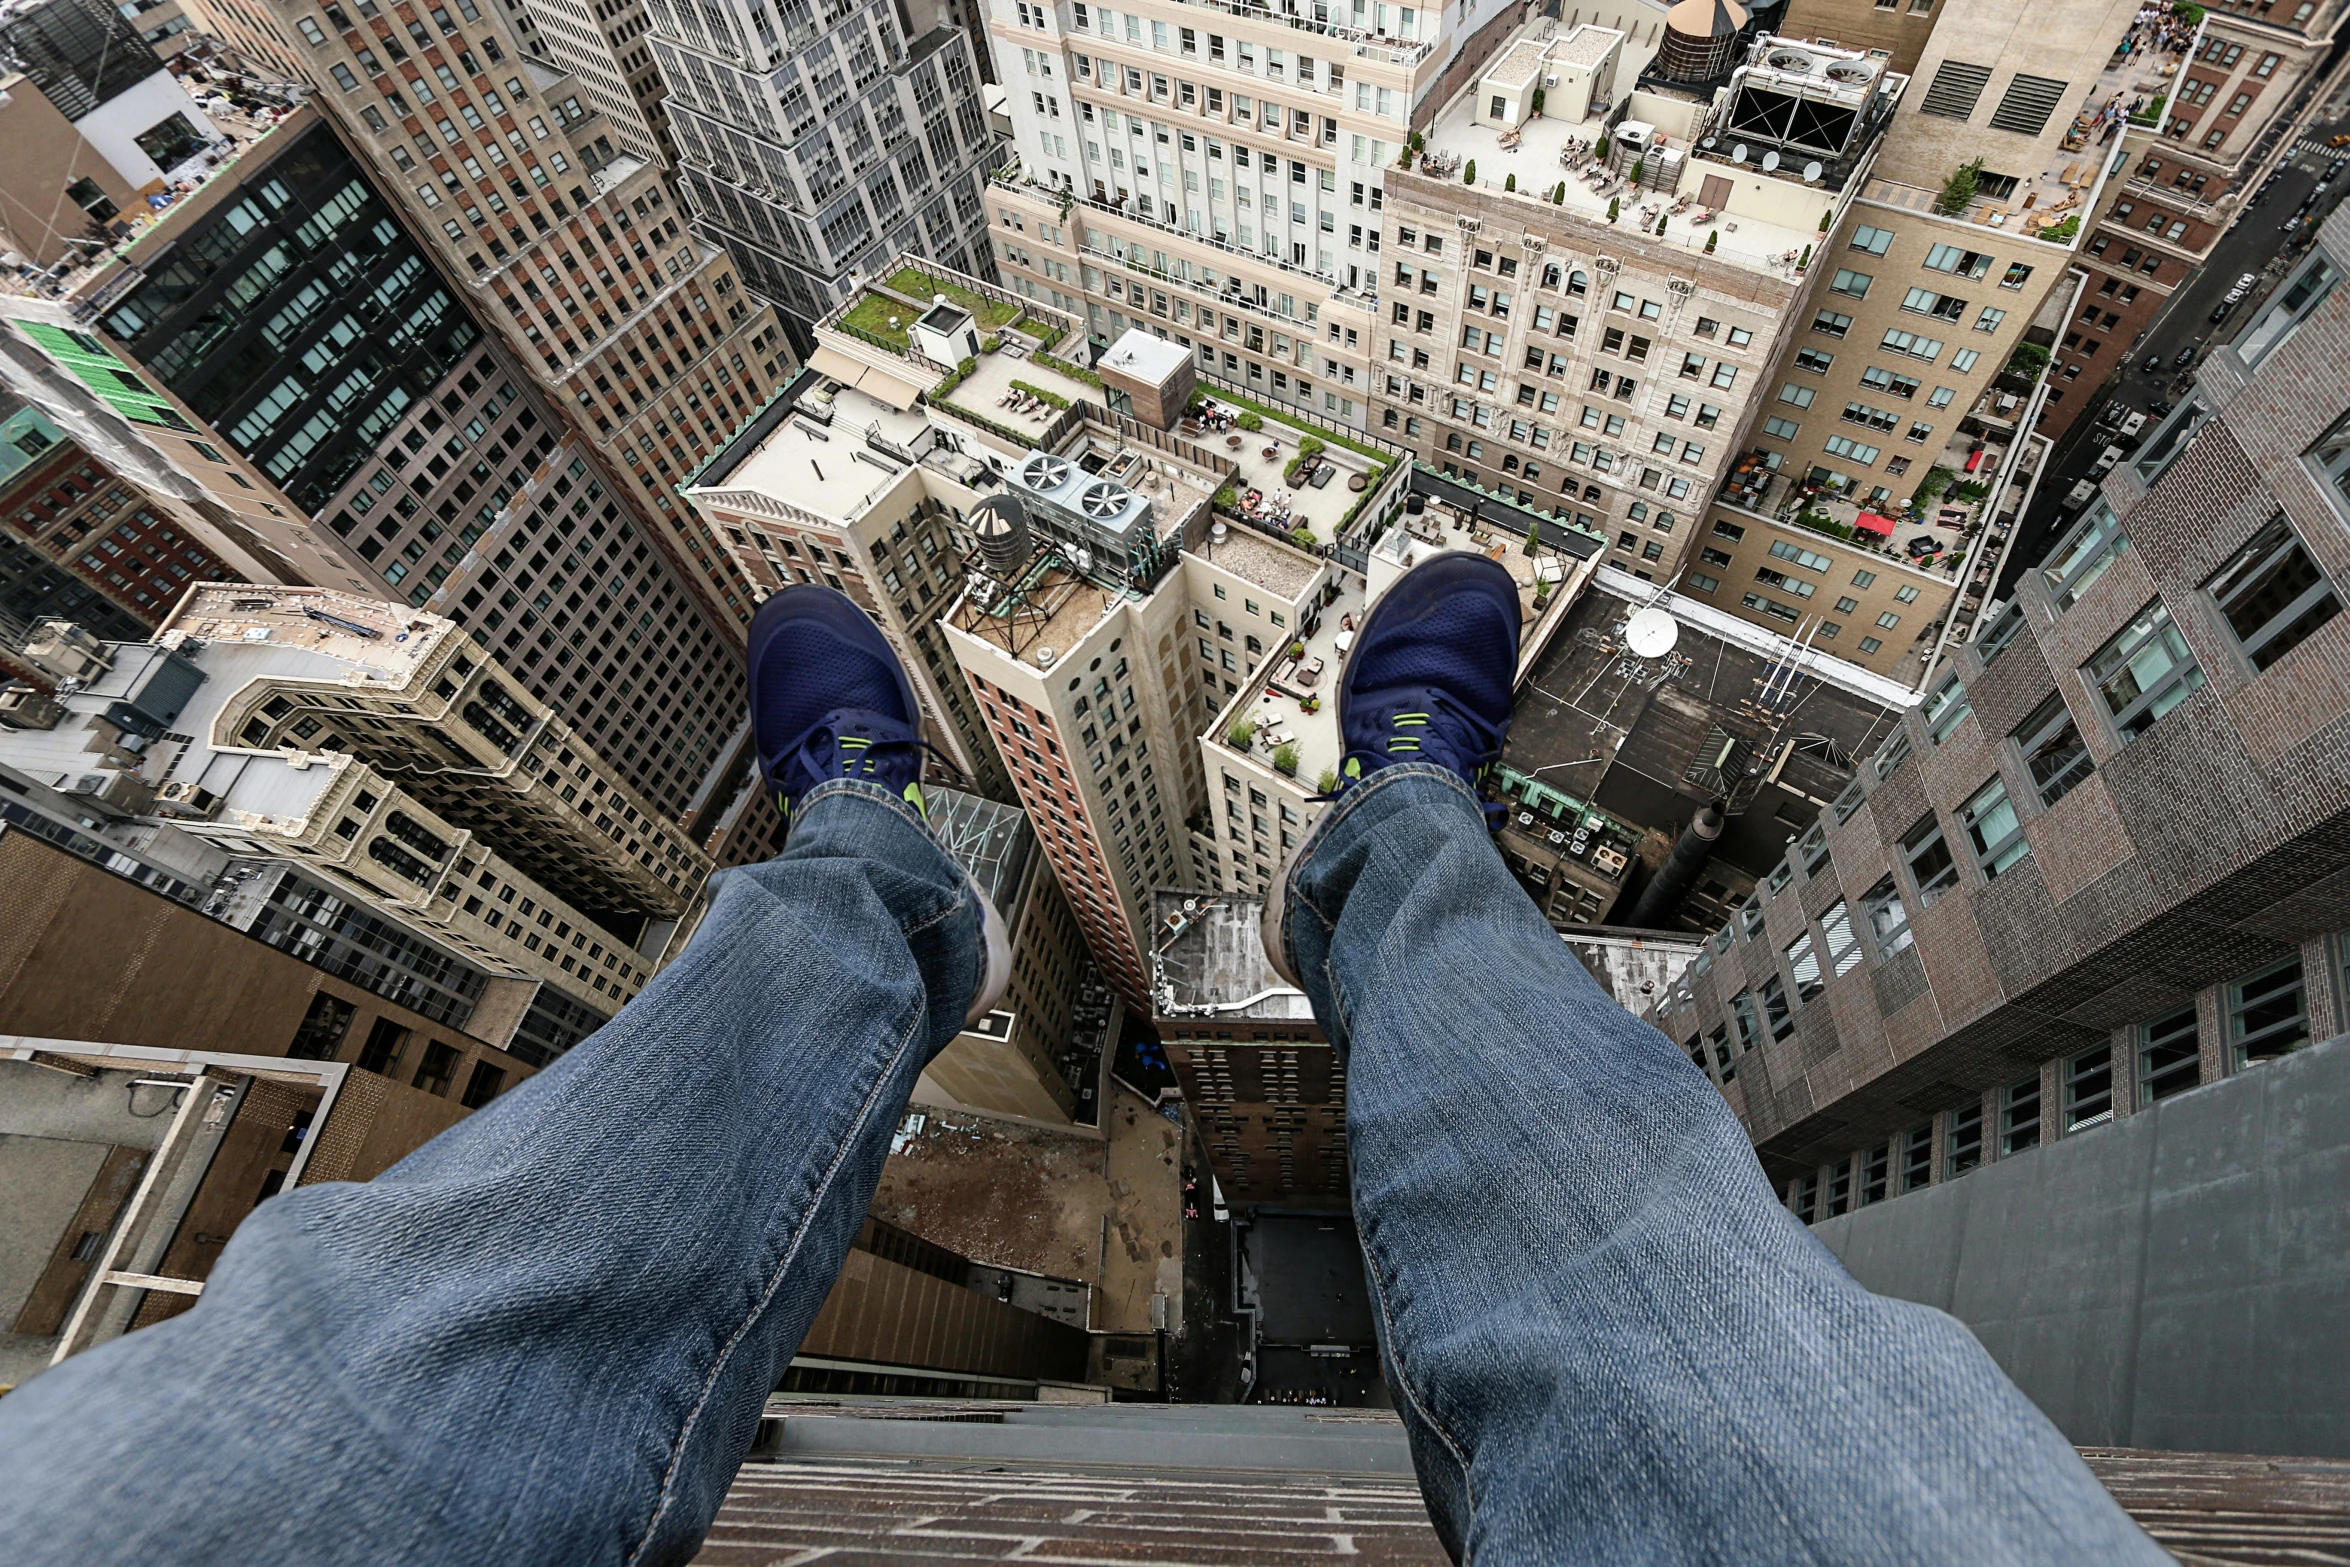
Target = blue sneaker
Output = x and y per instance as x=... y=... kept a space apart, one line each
x=830 y=699
x=1429 y=679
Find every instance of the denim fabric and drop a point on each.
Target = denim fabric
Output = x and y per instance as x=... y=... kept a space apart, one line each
x=1610 y=1344
x=546 y=1336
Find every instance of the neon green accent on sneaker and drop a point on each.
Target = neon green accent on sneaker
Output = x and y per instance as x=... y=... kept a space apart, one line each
x=914 y=798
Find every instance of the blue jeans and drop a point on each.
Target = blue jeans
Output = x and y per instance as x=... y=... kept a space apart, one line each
x=547 y=1335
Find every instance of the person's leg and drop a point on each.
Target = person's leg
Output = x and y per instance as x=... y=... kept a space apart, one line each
x=1609 y=1342
x=545 y=1336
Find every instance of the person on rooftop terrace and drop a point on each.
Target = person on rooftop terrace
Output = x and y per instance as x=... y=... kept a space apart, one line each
x=547 y=1336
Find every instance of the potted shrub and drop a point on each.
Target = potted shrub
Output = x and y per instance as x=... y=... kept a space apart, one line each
x=1297 y=649
x=1711 y=240
x=1469 y=174
x=1285 y=759
x=1250 y=420
x=1241 y=735
x=1509 y=182
x=1615 y=207
x=1327 y=782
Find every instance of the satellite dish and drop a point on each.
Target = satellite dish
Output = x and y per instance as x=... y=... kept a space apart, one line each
x=1770 y=160
x=1651 y=632
x=1812 y=172
x=1738 y=153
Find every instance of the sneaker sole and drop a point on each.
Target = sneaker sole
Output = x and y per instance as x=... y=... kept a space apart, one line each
x=997 y=977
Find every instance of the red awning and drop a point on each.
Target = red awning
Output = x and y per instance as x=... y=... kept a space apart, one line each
x=1974 y=459
x=1870 y=522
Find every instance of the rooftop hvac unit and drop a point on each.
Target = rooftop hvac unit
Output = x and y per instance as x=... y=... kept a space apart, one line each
x=1104 y=500
x=1044 y=471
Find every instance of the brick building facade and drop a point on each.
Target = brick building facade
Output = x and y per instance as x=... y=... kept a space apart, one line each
x=2104 y=860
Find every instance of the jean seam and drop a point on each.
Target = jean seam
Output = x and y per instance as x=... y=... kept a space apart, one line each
x=1377 y=1273
x=775 y=1282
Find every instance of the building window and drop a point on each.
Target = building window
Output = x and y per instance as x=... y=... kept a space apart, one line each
x=2169 y=1058
x=2268 y=1015
x=2081 y=556
x=2144 y=672
x=2292 y=304
x=1917 y=1157
x=1888 y=917
x=2331 y=457
x=1963 y=1136
x=2088 y=1089
x=1804 y=963
x=1993 y=829
x=1843 y=947
x=1946 y=708
x=1876 y=1174
x=1931 y=869
x=386 y=1042
x=320 y=1033
x=483 y=1086
x=2019 y=1116
x=1742 y=1014
x=2000 y=634
x=2053 y=751
x=1778 y=1016
x=2271 y=594
x=439 y=1066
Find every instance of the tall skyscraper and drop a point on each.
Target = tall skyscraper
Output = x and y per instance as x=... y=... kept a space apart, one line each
x=569 y=247
x=816 y=142
x=2097 y=867
x=286 y=304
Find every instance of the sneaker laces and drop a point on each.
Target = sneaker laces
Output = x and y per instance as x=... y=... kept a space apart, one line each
x=829 y=750
x=1427 y=726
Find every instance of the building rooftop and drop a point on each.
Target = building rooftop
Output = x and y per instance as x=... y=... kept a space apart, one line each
x=337 y=635
x=2065 y=188
x=830 y=470
x=84 y=276
x=1208 y=960
x=990 y=840
x=1275 y=701
x=1145 y=357
x=1686 y=141
x=1636 y=967
x=1055 y=610
x=1625 y=732
x=1277 y=568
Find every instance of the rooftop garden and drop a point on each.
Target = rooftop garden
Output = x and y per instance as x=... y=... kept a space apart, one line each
x=871 y=315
